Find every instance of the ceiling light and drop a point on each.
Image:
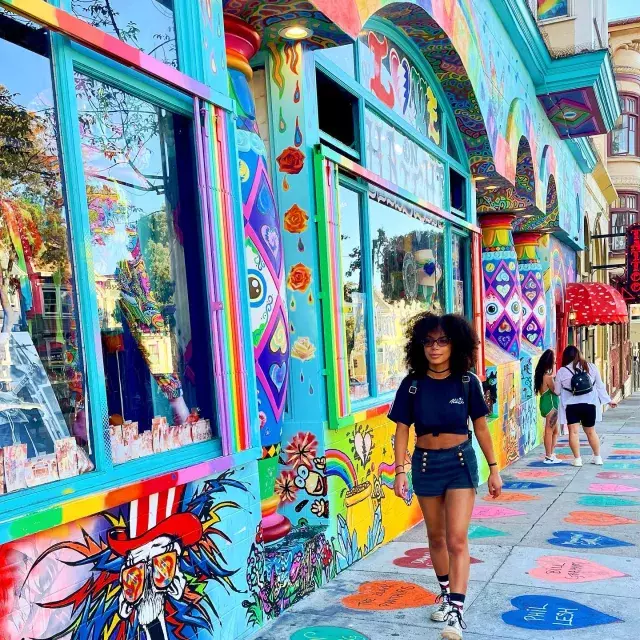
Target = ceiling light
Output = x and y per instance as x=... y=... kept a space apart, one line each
x=296 y=32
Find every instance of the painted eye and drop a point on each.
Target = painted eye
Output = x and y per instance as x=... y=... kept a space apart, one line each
x=492 y=310
x=257 y=288
x=515 y=308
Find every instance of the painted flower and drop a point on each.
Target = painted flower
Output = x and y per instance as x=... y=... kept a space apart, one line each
x=296 y=220
x=299 y=277
x=320 y=508
x=303 y=349
x=302 y=450
x=285 y=487
x=291 y=160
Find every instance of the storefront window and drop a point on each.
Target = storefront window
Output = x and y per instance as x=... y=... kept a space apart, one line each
x=354 y=293
x=145 y=24
x=407 y=251
x=44 y=434
x=460 y=254
x=145 y=239
x=396 y=158
x=550 y=9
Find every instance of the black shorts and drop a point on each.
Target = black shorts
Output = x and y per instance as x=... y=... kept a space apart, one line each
x=434 y=471
x=582 y=413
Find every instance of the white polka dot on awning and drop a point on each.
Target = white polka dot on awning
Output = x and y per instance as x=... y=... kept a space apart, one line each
x=595 y=303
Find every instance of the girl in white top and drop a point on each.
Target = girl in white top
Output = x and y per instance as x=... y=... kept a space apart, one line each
x=581 y=409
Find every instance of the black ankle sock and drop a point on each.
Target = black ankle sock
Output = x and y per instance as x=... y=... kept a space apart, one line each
x=444 y=583
x=457 y=600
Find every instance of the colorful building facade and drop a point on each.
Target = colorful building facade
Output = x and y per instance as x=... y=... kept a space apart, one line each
x=217 y=219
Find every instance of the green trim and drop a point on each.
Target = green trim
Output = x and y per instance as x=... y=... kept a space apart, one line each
x=448 y=262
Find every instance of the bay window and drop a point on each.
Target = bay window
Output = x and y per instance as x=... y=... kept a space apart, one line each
x=624 y=212
x=624 y=138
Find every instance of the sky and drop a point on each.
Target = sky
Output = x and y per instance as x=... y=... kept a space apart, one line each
x=619 y=9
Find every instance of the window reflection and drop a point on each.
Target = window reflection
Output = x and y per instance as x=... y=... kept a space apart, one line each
x=145 y=24
x=43 y=429
x=407 y=255
x=145 y=242
x=460 y=251
x=354 y=293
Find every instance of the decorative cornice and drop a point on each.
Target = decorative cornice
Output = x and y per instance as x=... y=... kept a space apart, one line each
x=624 y=22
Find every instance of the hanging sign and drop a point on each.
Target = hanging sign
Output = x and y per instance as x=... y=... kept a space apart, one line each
x=633 y=259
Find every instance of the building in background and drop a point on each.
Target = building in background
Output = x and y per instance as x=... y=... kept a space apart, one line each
x=258 y=196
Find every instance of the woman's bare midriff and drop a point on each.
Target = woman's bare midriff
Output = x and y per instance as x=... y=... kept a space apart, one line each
x=443 y=441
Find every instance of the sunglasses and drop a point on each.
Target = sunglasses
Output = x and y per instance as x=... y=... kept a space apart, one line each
x=442 y=341
x=161 y=569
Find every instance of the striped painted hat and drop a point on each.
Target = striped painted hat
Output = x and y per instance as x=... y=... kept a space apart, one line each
x=153 y=516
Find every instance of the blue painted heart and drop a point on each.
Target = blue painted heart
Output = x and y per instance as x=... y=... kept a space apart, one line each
x=503 y=276
x=540 y=463
x=278 y=373
x=548 y=613
x=525 y=486
x=585 y=540
x=271 y=238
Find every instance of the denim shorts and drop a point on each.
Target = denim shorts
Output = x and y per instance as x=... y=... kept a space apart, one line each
x=434 y=471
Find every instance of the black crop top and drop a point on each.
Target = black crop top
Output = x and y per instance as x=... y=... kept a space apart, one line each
x=438 y=406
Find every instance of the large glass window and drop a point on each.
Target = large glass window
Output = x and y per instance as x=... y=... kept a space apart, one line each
x=145 y=24
x=354 y=293
x=624 y=138
x=44 y=433
x=407 y=256
x=624 y=211
x=460 y=252
x=145 y=246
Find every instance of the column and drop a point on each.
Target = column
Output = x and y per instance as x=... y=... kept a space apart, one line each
x=265 y=270
x=502 y=303
x=534 y=304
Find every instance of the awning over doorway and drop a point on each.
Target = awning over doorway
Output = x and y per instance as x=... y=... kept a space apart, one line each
x=594 y=303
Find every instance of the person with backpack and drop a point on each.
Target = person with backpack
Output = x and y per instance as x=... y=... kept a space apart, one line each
x=439 y=397
x=581 y=391
x=549 y=403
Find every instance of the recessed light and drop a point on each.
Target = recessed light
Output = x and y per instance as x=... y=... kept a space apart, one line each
x=296 y=32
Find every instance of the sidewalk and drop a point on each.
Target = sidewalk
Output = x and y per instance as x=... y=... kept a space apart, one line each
x=558 y=553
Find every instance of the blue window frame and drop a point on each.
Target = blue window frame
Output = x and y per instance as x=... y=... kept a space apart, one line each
x=85 y=86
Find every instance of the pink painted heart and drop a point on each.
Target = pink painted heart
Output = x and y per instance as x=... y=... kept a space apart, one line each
x=611 y=488
x=572 y=570
x=420 y=558
x=482 y=512
x=615 y=475
x=528 y=474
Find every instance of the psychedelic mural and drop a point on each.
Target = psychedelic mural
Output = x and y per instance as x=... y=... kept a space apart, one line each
x=164 y=566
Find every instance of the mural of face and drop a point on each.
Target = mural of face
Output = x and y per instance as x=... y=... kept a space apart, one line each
x=150 y=573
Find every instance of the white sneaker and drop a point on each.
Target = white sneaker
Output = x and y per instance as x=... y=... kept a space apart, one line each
x=597 y=460
x=455 y=625
x=549 y=460
x=442 y=612
x=577 y=462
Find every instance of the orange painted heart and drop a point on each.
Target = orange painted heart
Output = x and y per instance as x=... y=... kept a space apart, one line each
x=596 y=519
x=389 y=595
x=511 y=496
x=626 y=452
x=420 y=558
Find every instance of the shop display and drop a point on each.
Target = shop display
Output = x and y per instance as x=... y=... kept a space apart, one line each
x=41 y=470
x=15 y=458
x=67 y=458
x=201 y=431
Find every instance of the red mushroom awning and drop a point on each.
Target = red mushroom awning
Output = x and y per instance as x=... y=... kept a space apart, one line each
x=594 y=303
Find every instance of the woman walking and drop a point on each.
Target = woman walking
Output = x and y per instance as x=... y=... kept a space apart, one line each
x=549 y=402
x=439 y=396
x=581 y=391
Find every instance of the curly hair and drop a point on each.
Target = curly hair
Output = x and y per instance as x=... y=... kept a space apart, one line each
x=546 y=362
x=464 y=342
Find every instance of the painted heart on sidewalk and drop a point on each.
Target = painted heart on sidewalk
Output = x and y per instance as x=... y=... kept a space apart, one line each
x=617 y=475
x=621 y=465
x=572 y=570
x=548 y=613
x=596 y=519
x=611 y=488
x=626 y=452
x=512 y=496
x=623 y=457
x=389 y=595
x=540 y=463
x=478 y=531
x=585 y=540
x=327 y=633
x=525 y=486
x=420 y=558
x=527 y=474
x=605 y=501
x=485 y=511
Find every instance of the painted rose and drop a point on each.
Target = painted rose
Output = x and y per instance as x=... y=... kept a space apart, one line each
x=299 y=277
x=295 y=220
x=291 y=160
x=303 y=349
